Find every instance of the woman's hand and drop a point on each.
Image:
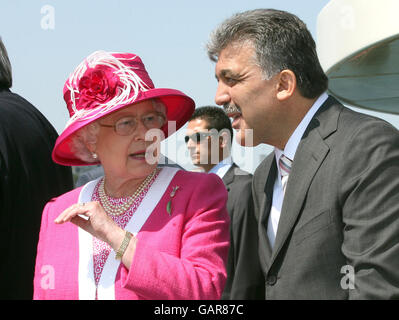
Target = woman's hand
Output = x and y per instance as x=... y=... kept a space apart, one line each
x=98 y=224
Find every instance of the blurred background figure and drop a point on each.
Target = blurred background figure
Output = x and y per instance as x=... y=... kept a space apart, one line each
x=28 y=179
x=209 y=137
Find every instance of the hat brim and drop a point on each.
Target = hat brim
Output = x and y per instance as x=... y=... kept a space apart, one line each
x=179 y=108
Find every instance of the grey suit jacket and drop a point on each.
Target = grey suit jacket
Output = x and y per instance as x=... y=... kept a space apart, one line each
x=338 y=233
x=244 y=276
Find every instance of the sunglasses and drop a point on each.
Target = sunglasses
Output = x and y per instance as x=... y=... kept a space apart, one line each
x=197 y=137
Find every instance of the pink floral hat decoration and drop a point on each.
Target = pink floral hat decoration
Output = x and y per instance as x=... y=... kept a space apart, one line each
x=106 y=82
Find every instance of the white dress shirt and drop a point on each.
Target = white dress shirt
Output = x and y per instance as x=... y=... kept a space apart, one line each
x=222 y=167
x=289 y=151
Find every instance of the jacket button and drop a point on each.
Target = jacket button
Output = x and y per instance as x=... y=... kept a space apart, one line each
x=271 y=280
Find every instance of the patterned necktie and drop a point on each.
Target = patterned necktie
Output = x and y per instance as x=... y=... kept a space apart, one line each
x=285 y=169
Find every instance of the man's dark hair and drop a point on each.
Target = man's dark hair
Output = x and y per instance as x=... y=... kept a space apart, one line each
x=280 y=40
x=215 y=117
x=5 y=68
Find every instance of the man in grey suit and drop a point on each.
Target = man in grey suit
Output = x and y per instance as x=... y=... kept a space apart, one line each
x=326 y=200
x=208 y=138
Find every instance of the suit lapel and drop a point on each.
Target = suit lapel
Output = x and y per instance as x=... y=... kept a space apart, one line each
x=228 y=178
x=310 y=154
x=265 y=193
x=307 y=161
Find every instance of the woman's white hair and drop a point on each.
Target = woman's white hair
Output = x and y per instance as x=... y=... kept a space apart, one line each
x=89 y=134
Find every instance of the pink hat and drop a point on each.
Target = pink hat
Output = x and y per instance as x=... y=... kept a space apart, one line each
x=104 y=83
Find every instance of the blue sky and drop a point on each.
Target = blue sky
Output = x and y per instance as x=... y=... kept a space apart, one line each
x=169 y=36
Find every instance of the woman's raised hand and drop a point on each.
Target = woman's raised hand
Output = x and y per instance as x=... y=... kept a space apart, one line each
x=91 y=217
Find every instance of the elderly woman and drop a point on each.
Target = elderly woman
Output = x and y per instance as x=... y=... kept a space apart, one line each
x=139 y=232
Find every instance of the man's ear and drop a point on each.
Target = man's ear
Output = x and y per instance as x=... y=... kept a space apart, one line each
x=225 y=139
x=286 y=84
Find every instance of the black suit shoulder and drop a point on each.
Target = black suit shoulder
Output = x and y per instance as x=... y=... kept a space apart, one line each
x=238 y=185
x=29 y=178
x=243 y=252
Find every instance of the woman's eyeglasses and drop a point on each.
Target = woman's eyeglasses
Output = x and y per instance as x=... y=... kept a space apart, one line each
x=197 y=137
x=126 y=126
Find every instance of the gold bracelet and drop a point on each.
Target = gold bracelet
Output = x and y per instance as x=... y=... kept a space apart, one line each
x=124 y=244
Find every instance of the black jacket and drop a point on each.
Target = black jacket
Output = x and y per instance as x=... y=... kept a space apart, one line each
x=244 y=275
x=28 y=179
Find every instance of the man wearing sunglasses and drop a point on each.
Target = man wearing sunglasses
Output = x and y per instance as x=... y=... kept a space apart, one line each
x=208 y=138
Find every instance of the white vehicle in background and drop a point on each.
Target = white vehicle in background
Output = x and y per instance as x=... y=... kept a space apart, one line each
x=358 y=48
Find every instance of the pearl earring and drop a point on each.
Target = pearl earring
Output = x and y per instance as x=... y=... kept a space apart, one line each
x=94 y=155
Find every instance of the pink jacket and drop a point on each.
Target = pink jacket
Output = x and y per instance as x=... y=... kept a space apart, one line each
x=178 y=256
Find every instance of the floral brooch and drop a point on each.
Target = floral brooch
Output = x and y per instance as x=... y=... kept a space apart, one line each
x=169 y=205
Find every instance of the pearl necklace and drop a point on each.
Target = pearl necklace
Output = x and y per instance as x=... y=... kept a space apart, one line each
x=117 y=210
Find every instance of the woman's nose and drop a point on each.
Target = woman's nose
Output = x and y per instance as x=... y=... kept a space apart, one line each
x=140 y=131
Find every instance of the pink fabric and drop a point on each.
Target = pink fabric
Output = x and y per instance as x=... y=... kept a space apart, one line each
x=181 y=256
x=101 y=248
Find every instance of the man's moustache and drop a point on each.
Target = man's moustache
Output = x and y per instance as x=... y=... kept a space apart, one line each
x=231 y=108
